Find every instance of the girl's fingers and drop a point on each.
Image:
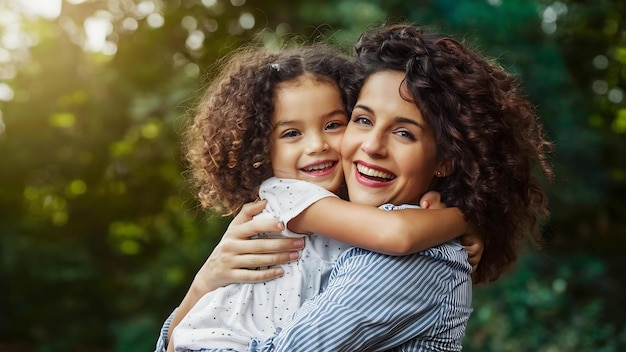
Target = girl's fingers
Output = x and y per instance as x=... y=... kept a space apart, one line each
x=474 y=254
x=432 y=200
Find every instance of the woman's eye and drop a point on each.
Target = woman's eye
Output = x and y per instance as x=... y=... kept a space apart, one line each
x=290 y=134
x=406 y=134
x=361 y=120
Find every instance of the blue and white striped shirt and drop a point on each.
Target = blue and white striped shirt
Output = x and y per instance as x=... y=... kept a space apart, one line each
x=377 y=302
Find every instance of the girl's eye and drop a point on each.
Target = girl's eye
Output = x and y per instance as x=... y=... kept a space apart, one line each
x=406 y=134
x=334 y=125
x=290 y=134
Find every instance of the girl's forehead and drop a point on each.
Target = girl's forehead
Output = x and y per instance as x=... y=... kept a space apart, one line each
x=306 y=78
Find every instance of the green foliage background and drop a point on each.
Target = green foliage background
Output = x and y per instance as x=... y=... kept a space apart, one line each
x=100 y=234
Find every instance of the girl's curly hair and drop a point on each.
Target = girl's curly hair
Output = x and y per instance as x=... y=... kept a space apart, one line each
x=483 y=124
x=227 y=144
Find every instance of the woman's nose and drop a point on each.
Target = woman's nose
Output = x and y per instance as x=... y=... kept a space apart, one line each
x=374 y=145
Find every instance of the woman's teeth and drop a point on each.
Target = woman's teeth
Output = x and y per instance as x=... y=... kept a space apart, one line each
x=366 y=171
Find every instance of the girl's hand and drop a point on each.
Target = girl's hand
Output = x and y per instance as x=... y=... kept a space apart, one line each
x=472 y=241
x=431 y=200
x=474 y=245
x=236 y=255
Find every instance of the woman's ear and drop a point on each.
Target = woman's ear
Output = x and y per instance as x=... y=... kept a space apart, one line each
x=444 y=168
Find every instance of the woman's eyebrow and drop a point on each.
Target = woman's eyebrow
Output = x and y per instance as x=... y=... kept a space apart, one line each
x=366 y=108
x=409 y=121
x=399 y=119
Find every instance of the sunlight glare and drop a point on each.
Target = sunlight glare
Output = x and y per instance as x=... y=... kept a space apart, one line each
x=96 y=30
x=6 y=93
x=49 y=9
x=2 y=125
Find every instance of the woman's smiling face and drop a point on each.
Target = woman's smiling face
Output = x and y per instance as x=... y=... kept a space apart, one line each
x=388 y=150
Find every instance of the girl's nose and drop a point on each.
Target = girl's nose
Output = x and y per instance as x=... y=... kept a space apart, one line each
x=317 y=144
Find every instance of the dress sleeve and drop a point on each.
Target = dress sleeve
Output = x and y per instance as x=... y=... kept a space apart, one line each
x=161 y=345
x=364 y=310
x=287 y=198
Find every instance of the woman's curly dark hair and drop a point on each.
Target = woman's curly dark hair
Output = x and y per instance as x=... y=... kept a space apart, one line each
x=483 y=124
x=227 y=144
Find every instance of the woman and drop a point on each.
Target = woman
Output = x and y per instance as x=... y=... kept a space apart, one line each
x=425 y=97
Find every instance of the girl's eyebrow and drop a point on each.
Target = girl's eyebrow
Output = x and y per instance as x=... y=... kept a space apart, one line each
x=336 y=112
x=327 y=115
x=399 y=119
x=285 y=123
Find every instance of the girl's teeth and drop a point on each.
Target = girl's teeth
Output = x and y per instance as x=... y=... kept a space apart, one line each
x=319 y=167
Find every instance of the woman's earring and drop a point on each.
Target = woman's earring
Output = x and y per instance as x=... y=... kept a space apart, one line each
x=440 y=174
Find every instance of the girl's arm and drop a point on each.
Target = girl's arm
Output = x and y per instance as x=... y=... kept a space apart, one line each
x=397 y=232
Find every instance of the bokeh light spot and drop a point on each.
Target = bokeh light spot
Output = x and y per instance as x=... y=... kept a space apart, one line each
x=195 y=39
x=6 y=93
x=189 y=23
x=76 y=188
x=599 y=87
x=600 y=62
x=155 y=20
x=130 y=24
x=619 y=124
x=616 y=95
x=150 y=130
x=62 y=120
x=145 y=8
x=129 y=247
x=2 y=124
x=559 y=285
x=246 y=20
x=192 y=70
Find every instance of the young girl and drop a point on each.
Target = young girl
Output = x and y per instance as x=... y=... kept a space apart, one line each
x=280 y=118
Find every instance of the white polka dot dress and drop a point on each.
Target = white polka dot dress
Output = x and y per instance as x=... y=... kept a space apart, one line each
x=230 y=317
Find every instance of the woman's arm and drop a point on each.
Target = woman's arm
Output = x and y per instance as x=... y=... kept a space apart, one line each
x=232 y=258
x=397 y=232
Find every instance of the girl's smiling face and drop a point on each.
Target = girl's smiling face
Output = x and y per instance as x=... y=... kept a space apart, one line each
x=308 y=122
x=389 y=152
